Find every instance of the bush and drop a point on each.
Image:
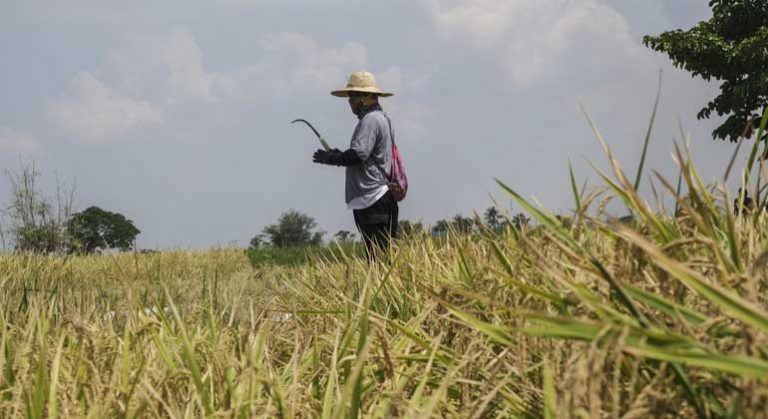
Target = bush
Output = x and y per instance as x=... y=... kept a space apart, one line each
x=38 y=223
x=297 y=256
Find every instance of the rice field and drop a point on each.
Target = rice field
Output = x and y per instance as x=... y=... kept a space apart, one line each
x=664 y=316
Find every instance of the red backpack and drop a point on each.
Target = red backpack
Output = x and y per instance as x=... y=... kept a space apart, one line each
x=398 y=181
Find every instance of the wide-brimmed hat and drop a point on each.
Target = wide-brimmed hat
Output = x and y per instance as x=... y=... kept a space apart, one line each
x=360 y=81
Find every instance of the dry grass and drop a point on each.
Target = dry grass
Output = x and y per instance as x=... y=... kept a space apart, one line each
x=466 y=328
x=666 y=317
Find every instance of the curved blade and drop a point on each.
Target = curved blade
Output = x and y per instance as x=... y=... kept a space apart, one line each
x=308 y=124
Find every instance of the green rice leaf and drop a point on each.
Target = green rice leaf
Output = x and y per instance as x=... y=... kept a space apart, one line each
x=499 y=334
x=732 y=364
x=753 y=153
x=724 y=299
x=574 y=188
x=639 y=175
x=550 y=395
x=665 y=306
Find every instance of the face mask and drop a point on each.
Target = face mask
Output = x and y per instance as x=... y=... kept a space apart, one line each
x=361 y=101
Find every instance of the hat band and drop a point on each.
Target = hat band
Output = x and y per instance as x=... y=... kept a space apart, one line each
x=363 y=89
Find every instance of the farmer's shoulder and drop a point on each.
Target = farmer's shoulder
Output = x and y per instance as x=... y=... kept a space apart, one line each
x=374 y=119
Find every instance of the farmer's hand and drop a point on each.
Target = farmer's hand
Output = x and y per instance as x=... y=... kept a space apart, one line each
x=324 y=157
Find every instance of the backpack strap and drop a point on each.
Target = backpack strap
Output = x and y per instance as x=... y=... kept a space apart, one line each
x=391 y=133
x=392 y=138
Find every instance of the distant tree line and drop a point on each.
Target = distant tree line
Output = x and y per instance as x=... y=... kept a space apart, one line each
x=294 y=229
x=492 y=220
x=48 y=224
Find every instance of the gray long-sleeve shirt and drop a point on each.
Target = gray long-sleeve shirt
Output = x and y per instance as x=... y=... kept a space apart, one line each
x=372 y=141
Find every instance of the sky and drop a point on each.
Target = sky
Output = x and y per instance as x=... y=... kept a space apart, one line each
x=176 y=113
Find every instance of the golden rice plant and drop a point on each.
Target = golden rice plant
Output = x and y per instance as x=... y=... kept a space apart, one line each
x=663 y=317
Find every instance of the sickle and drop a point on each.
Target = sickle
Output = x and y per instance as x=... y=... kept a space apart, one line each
x=319 y=137
x=308 y=124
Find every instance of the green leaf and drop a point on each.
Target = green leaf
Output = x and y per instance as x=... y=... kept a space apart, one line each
x=639 y=175
x=550 y=395
x=733 y=364
x=574 y=188
x=726 y=300
x=665 y=306
x=499 y=334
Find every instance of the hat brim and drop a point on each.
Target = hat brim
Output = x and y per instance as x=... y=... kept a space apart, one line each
x=345 y=91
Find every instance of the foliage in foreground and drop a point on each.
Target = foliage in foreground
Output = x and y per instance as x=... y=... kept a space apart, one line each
x=666 y=317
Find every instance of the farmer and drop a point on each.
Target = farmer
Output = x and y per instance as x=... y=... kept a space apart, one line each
x=368 y=161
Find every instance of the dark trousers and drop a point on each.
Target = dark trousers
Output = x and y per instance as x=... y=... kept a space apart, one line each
x=378 y=225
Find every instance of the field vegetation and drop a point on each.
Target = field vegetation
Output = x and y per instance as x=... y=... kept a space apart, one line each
x=664 y=315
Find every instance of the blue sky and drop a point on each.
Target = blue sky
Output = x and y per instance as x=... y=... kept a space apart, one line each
x=177 y=113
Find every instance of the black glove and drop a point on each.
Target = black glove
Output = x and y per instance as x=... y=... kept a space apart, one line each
x=326 y=157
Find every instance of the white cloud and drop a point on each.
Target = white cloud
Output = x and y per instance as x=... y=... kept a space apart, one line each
x=412 y=117
x=290 y=63
x=95 y=113
x=15 y=142
x=259 y=4
x=171 y=68
x=170 y=65
x=151 y=76
x=536 y=41
x=392 y=79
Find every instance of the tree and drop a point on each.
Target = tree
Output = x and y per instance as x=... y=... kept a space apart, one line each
x=464 y=225
x=441 y=227
x=493 y=219
x=731 y=47
x=256 y=242
x=520 y=221
x=294 y=229
x=411 y=228
x=38 y=223
x=344 y=236
x=95 y=229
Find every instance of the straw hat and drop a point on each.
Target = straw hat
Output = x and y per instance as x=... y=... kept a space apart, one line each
x=360 y=81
